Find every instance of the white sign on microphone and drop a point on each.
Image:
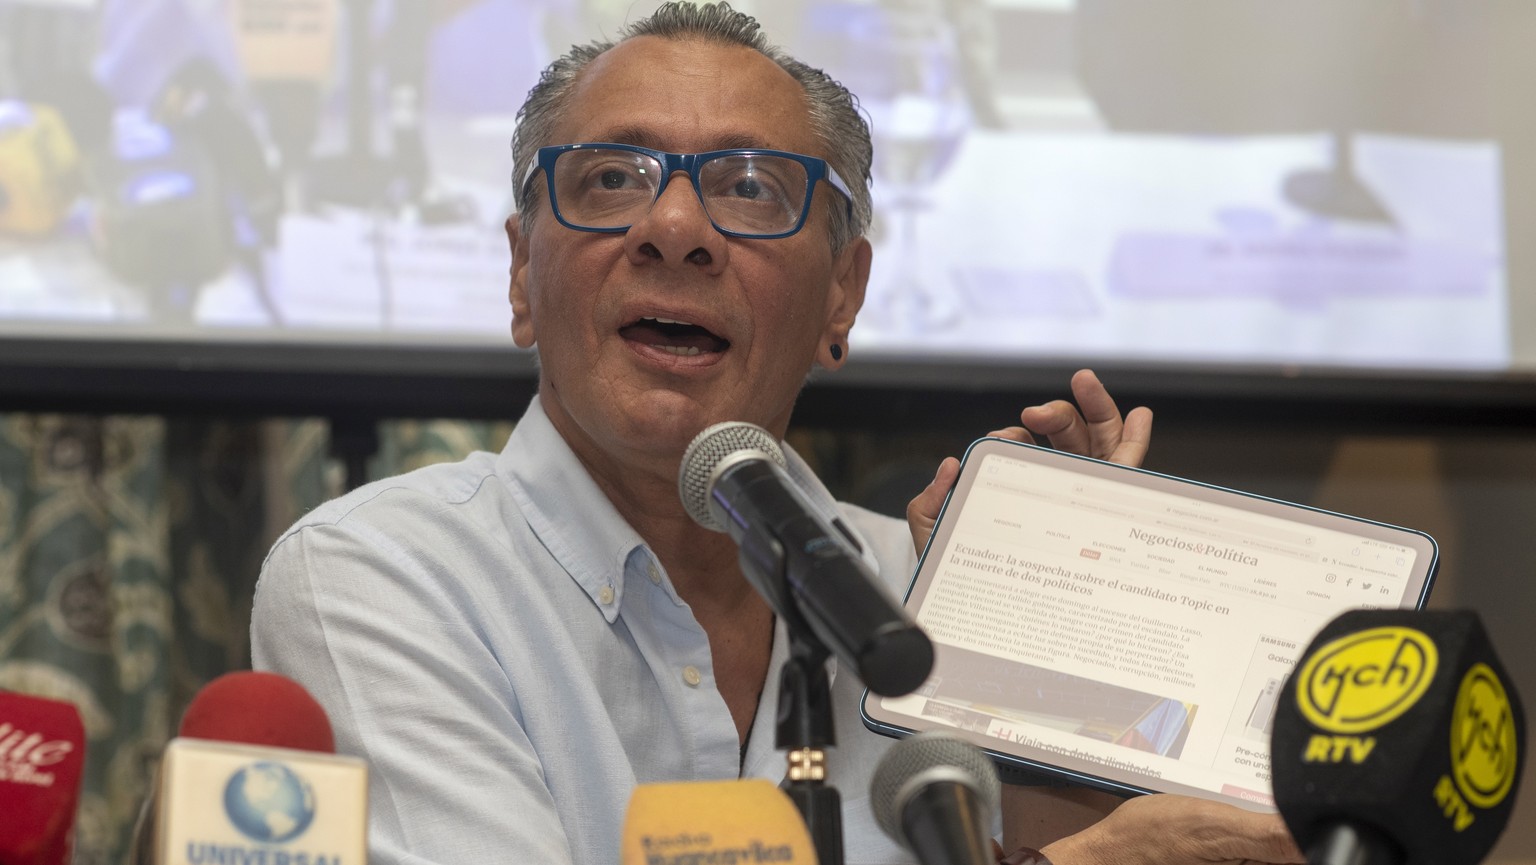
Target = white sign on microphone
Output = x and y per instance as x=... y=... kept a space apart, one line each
x=225 y=802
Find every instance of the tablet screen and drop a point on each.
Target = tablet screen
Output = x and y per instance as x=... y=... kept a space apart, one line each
x=1127 y=629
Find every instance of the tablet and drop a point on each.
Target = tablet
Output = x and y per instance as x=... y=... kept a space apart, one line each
x=1127 y=630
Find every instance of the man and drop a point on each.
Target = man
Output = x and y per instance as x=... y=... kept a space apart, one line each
x=515 y=641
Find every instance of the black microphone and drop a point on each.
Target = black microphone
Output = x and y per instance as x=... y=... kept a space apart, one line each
x=733 y=480
x=1398 y=741
x=935 y=795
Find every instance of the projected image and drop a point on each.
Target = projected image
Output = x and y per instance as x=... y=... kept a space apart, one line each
x=310 y=166
x=1105 y=179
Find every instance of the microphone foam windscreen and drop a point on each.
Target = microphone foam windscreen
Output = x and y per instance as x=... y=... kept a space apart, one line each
x=42 y=760
x=926 y=758
x=750 y=820
x=706 y=455
x=257 y=708
x=1400 y=721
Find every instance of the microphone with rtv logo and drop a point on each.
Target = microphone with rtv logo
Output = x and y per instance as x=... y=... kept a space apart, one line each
x=936 y=795
x=694 y=822
x=246 y=780
x=1398 y=741
x=42 y=755
x=733 y=480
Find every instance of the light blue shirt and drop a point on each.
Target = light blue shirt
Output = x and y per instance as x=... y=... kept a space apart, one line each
x=511 y=660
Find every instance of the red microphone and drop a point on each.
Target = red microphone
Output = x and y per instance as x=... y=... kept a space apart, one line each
x=42 y=755
x=252 y=775
x=258 y=709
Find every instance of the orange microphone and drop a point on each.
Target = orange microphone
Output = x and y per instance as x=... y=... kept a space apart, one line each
x=714 y=821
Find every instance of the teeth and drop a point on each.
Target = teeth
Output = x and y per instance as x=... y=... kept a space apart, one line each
x=667 y=320
x=683 y=350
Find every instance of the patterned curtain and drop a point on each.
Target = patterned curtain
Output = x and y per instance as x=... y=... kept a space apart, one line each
x=129 y=549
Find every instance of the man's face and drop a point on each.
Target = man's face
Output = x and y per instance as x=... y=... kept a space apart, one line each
x=648 y=336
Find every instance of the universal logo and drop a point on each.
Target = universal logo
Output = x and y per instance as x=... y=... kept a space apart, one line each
x=268 y=802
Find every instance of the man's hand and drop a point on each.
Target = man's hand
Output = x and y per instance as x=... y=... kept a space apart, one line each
x=1092 y=428
x=1164 y=829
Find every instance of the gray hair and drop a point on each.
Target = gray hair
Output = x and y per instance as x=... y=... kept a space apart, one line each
x=834 y=112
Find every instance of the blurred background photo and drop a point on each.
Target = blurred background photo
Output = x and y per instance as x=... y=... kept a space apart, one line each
x=1316 y=182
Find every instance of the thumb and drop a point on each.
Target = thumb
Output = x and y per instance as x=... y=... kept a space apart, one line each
x=923 y=511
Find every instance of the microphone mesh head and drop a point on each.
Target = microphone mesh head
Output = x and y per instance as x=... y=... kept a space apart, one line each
x=256 y=708
x=930 y=756
x=704 y=455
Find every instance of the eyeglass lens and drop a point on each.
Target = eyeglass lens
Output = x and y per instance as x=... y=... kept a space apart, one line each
x=750 y=194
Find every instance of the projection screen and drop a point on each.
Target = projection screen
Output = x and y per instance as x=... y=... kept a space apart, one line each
x=1210 y=183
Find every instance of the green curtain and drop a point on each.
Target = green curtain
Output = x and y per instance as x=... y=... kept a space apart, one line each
x=129 y=549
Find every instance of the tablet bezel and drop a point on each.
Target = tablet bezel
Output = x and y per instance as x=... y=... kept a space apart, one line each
x=1025 y=765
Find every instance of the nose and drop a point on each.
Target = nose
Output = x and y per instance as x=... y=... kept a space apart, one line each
x=676 y=231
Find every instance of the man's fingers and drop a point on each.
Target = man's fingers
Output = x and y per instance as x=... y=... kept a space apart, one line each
x=1093 y=427
x=1258 y=838
x=1100 y=414
x=1061 y=425
x=1167 y=829
x=923 y=510
x=1136 y=438
x=1093 y=398
x=1013 y=433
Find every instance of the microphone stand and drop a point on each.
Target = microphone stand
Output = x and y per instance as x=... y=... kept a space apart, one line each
x=804 y=728
x=1347 y=844
x=804 y=732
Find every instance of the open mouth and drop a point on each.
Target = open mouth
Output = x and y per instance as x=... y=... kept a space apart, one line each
x=675 y=337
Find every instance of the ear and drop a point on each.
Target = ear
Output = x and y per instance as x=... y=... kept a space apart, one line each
x=850 y=276
x=517 y=291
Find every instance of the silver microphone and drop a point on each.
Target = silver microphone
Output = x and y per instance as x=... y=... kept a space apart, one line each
x=935 y=795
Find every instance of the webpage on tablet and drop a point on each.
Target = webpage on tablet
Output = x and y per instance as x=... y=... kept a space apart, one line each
x=1132 y=633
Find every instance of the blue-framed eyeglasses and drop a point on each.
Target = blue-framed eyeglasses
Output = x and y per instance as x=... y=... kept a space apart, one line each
x=747 y=192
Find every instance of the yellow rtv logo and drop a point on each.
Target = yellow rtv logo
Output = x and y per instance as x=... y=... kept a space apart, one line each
x=1358 y=683
x=1484 y=756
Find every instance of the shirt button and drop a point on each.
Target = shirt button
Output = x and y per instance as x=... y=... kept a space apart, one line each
x=605 y=595
x=655 y=573
x=691 y=676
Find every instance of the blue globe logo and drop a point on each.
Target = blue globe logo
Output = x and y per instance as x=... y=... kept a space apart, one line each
x=269 y=803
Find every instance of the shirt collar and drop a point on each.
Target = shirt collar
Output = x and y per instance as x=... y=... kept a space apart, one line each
x=567 y=510
x=580 y=527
